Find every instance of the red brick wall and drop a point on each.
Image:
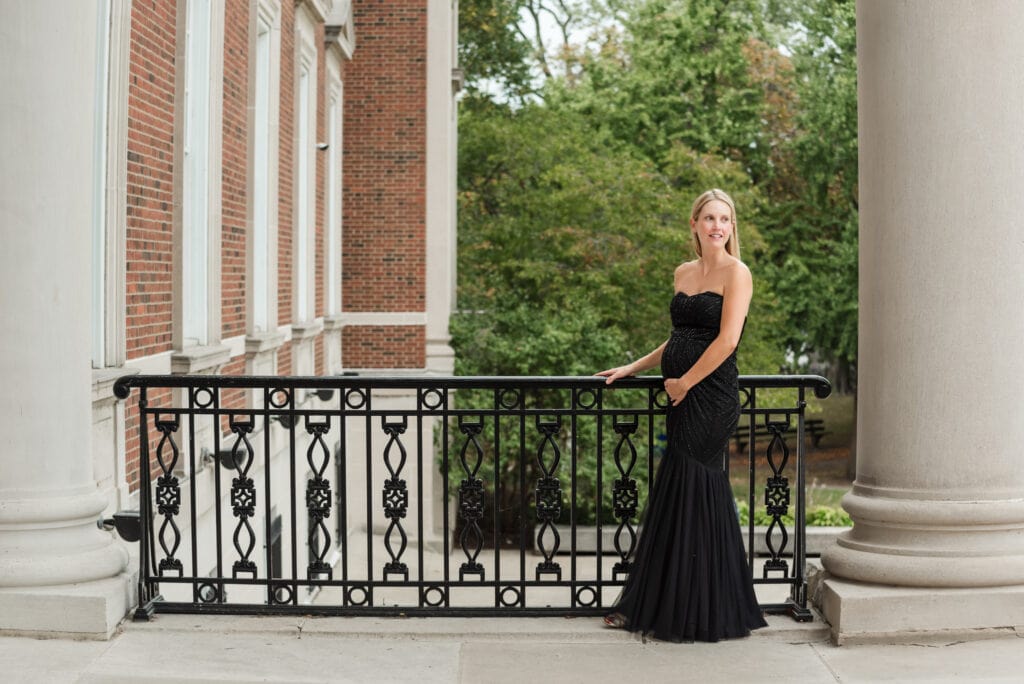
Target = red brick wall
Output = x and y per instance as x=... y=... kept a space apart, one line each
x=385 y=144
x=384 y=346
x=384 y=177
x=235 y=167
x=150 y=181
x=385 y=181
x=284 y=359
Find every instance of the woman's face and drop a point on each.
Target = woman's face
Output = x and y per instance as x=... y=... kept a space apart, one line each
x=713 y=225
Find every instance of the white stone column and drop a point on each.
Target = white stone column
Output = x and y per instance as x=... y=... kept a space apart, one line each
x=938 y=501
x=441 y=181
x=58 y=572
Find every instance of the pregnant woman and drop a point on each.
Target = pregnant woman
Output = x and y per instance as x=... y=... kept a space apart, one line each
x=689 y=579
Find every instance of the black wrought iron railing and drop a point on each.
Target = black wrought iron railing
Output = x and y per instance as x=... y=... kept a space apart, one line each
x=355 y=495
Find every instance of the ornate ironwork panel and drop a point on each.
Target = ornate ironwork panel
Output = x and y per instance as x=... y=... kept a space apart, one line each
x=625 y=497
x=243 y=498
x=776 y=499
x=318 y=499
x=168 y=496
x=548 y=497
x=471 y=498
x=395 y=497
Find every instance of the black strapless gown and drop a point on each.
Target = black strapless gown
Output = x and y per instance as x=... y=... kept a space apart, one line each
x=690 y=580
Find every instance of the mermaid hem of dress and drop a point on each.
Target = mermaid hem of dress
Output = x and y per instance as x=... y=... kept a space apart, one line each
x=690 y=580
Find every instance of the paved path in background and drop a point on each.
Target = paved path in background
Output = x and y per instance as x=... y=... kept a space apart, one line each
x=193 y=648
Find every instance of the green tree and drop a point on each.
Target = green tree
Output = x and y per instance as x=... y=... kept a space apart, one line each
x=567 y=243
x=568 y=240
x=678 y=73
x=812 y=229
x=493 y=54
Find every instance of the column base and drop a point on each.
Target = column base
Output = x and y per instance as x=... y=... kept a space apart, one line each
x=440 y=357
x=859 y=613
x=90 y=610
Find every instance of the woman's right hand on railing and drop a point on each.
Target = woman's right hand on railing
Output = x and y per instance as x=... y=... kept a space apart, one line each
x=613 y=374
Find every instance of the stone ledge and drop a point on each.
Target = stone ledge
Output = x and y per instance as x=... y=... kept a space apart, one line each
x=334 y=322
x=199 y=359
x=306 y=330
x=263 y=342
x=861 y=613
x=91 y=610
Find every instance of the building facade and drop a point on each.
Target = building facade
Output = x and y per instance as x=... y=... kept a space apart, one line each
x=258 y=187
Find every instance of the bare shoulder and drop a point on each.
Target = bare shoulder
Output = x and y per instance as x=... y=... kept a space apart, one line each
x=738 y=275
x=681 y=273
x=684 y=268
x=738 y=269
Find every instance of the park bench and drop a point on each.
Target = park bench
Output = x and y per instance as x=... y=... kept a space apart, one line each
x=814 y=429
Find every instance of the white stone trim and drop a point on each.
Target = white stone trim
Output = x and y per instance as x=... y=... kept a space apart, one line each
x=318 y=9
x=383 y=318
x=205 y=359
x=268 y=12
x=340 y=28
x=260 y=343
x=115 y=179
x=305 y=58
x=213 y=179
x=441 y=155
x=332 y=323
x=306 y=330
x=154 y=364
x=333 y=195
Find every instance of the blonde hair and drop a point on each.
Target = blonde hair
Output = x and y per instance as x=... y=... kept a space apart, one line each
x=732 y=247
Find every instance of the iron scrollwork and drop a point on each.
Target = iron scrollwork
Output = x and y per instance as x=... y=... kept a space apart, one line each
x=318 y=500
x=625 y=498
x=548 y=497
x=395 y=497
x=776 y=498
x=243 y=498
x=471 y=499
x=168 y=497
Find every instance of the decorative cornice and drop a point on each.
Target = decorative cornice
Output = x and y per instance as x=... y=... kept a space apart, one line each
x=319 y=9
x=339 y=28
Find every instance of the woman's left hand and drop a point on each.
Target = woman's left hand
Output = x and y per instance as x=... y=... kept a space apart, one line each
x=677 y=390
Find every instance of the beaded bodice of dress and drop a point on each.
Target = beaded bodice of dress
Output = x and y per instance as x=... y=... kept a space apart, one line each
x=696 y=320
x=697 y=316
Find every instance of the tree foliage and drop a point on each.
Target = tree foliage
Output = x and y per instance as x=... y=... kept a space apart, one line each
x=573 y=200
x=580 y=154
x=815 y=216
x=567 y=244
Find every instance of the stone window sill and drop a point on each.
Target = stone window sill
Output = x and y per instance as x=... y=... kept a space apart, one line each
x=263 y=342
x=199 y=359
x=306 y=330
